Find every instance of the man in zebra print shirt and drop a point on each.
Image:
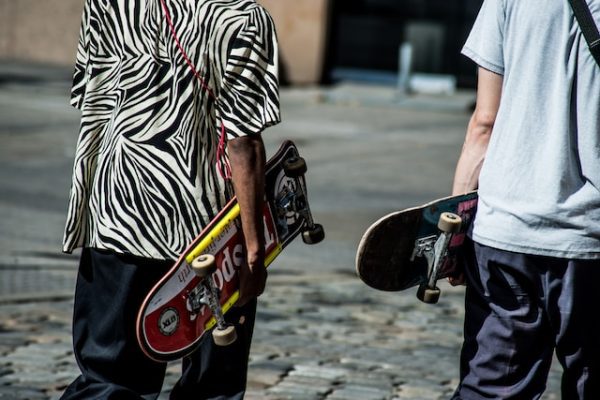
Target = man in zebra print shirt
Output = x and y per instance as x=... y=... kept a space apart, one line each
x=163 y=85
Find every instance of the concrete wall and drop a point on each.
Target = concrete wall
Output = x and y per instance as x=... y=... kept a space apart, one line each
x=302 y=29
x=47 y=31
x=40 y=30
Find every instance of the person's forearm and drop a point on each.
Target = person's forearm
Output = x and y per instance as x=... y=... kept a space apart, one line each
x=479 y=132
x=466 y=177
x=247 y=156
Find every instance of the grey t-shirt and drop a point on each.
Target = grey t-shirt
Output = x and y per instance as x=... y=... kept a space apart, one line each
x=540 y=183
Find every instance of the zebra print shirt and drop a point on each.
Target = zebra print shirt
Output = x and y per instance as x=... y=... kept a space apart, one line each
x=144 y=179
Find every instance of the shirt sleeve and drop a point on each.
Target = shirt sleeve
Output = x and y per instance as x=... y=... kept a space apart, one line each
x=485 y=45
x=249 y=97
x=80 y=76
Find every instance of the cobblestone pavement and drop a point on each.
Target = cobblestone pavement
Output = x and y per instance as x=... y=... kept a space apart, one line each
x=321 y=334
x=317 y=337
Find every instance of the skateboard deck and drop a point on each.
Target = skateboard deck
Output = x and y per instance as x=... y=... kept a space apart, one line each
x=407 y=248
x=184 y=305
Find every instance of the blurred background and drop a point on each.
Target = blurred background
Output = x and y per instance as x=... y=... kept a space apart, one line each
x=322 y=41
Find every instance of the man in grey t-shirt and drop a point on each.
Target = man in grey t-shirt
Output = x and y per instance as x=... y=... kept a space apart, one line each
x=533 y=151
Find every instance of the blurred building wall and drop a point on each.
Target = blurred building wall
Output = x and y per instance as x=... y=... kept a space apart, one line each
x=40 y=30
x=46 y=31
x=302 y=28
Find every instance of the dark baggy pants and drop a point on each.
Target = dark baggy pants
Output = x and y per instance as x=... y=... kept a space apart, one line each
x=519 y=310
x=110 y=290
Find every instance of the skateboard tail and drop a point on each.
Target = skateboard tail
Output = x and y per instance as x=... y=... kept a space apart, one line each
x=383 y=245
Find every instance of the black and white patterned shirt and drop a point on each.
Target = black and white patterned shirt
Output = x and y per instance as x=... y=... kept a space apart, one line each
x=145 y=180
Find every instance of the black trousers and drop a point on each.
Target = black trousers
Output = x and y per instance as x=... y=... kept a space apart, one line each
x=520 y=310
x=110 y=289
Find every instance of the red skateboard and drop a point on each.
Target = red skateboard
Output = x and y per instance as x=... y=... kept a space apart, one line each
x=203 y=284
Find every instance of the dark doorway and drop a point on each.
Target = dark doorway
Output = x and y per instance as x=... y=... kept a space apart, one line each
x=365 y=35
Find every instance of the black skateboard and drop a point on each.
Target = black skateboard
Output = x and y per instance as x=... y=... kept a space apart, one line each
x=416 y=246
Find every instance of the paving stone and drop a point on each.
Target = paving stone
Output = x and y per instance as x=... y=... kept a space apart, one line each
x=305 y=385
x=355 y=392
x=318 y=372
x=13 y=339
x=293 y=393
x=21 y=393
x=408 y=392
x=264 y=377
x=369 y=380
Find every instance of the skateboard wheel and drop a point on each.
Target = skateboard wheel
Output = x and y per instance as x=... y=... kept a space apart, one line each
x=204 y=265
x=224 y=337
x=294 y=167
x=449 y=222
x=428 y=295
x=314 y=235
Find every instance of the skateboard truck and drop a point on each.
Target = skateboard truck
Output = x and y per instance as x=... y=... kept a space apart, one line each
x=294 y=200
x=204 y=265
x=434 y=248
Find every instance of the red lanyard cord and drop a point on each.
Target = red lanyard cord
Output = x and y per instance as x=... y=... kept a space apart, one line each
x=222 y=161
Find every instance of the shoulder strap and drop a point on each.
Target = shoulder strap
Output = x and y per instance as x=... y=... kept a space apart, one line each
x=588 y=26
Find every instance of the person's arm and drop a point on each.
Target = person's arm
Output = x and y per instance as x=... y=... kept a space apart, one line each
x=479 y=131
x=247 y=158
